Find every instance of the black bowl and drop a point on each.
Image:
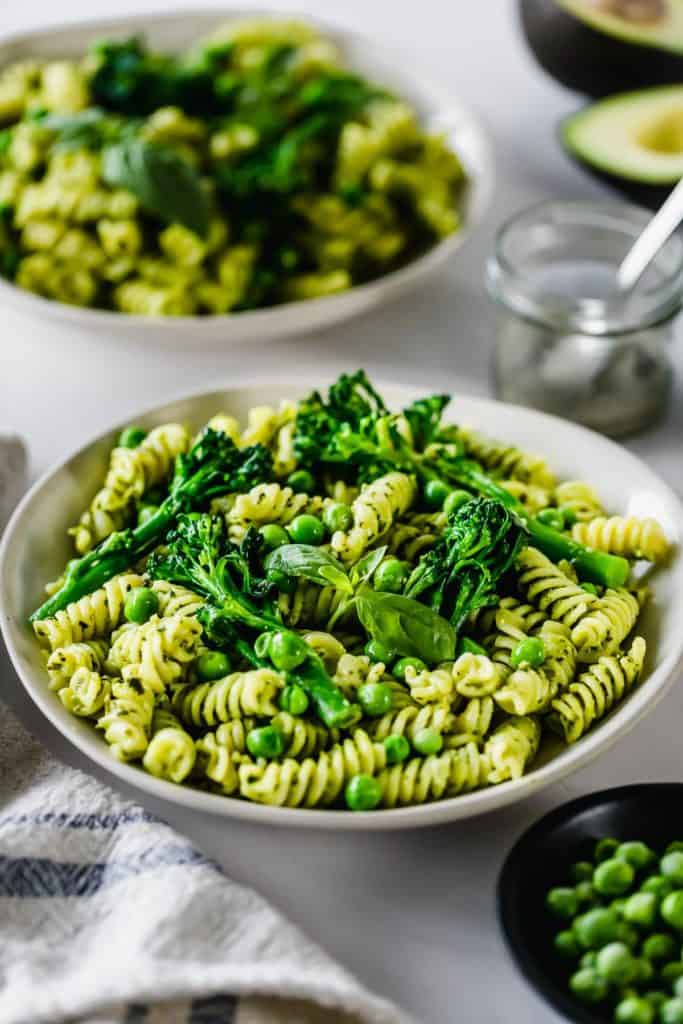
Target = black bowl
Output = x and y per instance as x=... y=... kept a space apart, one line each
x=541 y=858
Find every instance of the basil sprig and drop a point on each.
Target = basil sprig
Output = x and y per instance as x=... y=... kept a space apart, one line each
x=311 y=563
x=162 y=181
x=405 y=626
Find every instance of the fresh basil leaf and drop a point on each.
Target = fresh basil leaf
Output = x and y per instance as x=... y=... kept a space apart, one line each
x=364 y=569
x=162 y=182
x=405 y=626
x=311 y=563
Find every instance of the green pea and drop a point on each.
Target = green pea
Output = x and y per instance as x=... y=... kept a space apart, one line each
x=286 y=650
x=562 y=902
x=659 y=946
x=284 y=583
x=627 y=934
x=301 y=481
x=375 y=698
x=566 y=945
x=435 y=493
x=397 y=749
x=590 y=588
x=140 y=605
x=616 y=964
x=274 y=536
x=671 y=866
x=145 y=513
x=588 y=959
x=596 y=928
x=552 y=517
x=530 y=651
x=212 y=665
x=582 y=871
x=338 y=516
x=362 y=793
x=262 y=645
x=672 y=909
x=391 y=575
x=401 y=666
x=376 y=651
x=645 y=972
x=306 y=529
x=585 y=893
x=266 y=741
x=294 y=699
x=671 y=1012
x=655 y=998
x=658 y=885
x=427 y=741
x=671 y=972
x=605 y=848
x=131 y=437
x=641 y=908
x=455 y=500
x=569 y=514
x=637 y=854
x=678 y=987
x=676 y=844
x=588 y=986
x=634 y=1010
x=613 y=877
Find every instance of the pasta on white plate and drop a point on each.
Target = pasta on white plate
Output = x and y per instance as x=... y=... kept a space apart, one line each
x=336 y=605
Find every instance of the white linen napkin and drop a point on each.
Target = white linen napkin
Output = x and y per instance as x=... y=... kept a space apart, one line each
x=108 y=916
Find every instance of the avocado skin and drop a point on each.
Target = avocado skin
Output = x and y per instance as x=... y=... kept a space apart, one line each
x=651 y=196
x=592 y=62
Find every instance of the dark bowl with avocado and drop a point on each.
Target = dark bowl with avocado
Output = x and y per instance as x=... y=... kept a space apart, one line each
x=557 y=848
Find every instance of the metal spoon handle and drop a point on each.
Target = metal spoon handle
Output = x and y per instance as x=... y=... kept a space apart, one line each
x=653 y=237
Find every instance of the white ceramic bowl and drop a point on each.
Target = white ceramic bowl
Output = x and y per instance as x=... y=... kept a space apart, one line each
x=35 y=550
x=173 y=32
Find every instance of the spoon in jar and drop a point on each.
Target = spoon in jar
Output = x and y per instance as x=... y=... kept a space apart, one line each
x=648 y=243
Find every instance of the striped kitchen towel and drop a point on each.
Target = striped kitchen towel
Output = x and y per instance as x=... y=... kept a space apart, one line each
x=108 y=916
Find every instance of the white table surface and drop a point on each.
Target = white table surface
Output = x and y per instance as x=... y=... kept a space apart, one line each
x=412 y=914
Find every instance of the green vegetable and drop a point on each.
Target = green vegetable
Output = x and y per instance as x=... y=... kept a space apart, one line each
x=140 y=605
x=588 y=986
x=671 y=867
x=284 y=583
x=613 y=877
x=212 y=665
x=590 y=588
x=397 y=749
x=301 y=481
x=310 y=563
x=658 y=885
x=582 y=871
x=671 y=1012
x=274 y=536
x=672 y=909
x=606 y=848
x=427 y=741
x=405 y=626
x=659 y=946
x=552 y=517
x=375 y=698
x=131 y=437
x=638 y=854
x=616 y=964
x=199 y=556
x=641 y=909
x=435 y=493
x=466 y=645
x=294 y=700
x=362 y=793
x=454 y=500
x=145 y=513
x=306 y=529
x=596 y=928
x=671 y=972
x=338 y=516
x=562 y=902
x=585 y=893
x=376 y=651
x=399 y=669
x=529 y=651
x=634 y=1010
x=266 y=741
x=676 y=844
x=352 y=426
x=213 y=466
x=391 y=575
x=161 y=180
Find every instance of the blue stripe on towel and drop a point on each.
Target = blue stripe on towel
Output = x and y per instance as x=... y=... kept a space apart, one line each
x=38 y=877
x=213 y=1010
x=90 y=822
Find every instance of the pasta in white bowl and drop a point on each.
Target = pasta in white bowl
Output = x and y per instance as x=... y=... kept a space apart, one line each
x=549 y=669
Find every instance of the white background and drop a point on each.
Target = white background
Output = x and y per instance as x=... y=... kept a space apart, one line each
x=412 y=914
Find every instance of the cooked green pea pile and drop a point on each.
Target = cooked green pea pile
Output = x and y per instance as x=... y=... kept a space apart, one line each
x=622 y=931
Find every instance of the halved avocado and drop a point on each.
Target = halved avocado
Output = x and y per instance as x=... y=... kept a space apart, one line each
x=633 y=140
x=600 y=47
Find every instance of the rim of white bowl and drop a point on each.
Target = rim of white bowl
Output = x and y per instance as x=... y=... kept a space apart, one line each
x=320 y=310
x=619 y=722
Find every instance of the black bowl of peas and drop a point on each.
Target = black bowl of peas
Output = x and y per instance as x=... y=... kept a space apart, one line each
x=590 y=900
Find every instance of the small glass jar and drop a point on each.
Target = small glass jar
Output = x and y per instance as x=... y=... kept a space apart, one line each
x=567 y=341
